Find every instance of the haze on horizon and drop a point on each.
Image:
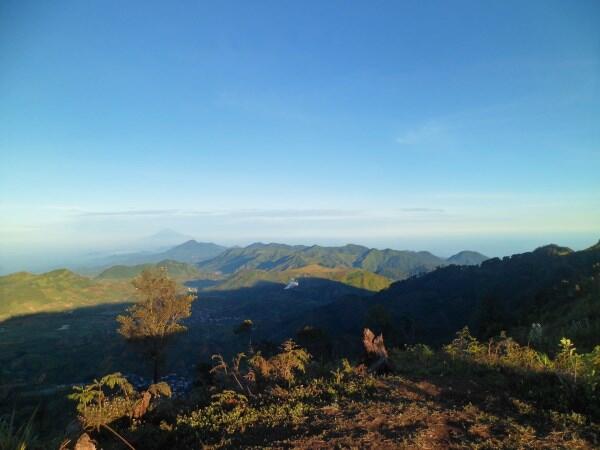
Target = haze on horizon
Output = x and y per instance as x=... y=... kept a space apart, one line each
x=438 y=126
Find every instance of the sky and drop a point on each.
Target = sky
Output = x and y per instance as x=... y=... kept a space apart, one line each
x=404 y=124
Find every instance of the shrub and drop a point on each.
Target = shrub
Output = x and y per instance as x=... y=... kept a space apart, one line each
x=231 y=414
x=464 y=345
x=351 y=381
x=111 y=398
x=567 y=359
x=234 y=375
x=505 y=351
x=283 y=367
x=250 y=375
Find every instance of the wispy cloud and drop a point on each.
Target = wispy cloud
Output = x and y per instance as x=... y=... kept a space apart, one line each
x=233 y=213
x=256 y=214
x=295 y=213
x=422 y=210
x=133 y=212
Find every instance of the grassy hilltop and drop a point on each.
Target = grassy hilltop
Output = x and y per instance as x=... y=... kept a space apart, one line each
x=59 y=290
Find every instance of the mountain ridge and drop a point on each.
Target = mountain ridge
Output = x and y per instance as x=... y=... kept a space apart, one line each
x=550 y=285
x=175 y=269
x=394 y=264
x=190 y=251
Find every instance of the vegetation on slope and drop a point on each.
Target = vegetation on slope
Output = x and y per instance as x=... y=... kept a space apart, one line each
x=468 y=394
x=358 y=278
x=25 y=293
x=467 y=258
x=398 y=264
x=392 y=264
x=496 y=393
x=175 y=269
x=552 y=286
x=353 y=265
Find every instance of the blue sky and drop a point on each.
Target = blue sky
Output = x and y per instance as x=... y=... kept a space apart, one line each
x=429 y=125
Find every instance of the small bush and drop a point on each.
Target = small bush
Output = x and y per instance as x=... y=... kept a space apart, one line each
x=283 y=367
x=251 y=375
x=112 y=398
x=464 y=345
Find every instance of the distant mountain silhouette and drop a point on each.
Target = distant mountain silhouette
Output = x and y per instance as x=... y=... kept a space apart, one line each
x=193 y=252
x=467 y=258
x=162 y=240
x=188 y=252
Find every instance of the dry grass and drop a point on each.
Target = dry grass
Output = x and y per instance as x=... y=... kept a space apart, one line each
x=439 y=414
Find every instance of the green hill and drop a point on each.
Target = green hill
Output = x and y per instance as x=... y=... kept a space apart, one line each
x=398 y=264
x=394 y=264
x=175 y=269
x=353 y=277
x=467 y=258
x=25 y=293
